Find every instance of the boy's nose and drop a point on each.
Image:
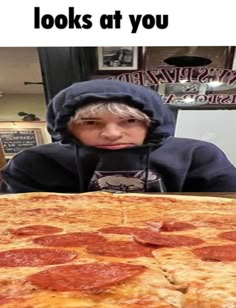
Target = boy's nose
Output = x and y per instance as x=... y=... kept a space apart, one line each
x=112 y=132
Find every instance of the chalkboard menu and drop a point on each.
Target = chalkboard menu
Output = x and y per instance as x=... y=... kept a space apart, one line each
x=14 y=140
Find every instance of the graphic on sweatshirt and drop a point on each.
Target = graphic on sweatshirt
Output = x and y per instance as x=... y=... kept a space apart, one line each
x=125 y=181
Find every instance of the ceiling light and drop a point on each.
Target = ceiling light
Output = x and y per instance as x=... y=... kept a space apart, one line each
x=187 y=61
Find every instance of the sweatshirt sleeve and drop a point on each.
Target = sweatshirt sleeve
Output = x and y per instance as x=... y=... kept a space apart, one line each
x=16 y=179
x=210 y=171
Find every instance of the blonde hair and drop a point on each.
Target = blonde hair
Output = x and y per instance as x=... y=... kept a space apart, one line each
x=98 y=108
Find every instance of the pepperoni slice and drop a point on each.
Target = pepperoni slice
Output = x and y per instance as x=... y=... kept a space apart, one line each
x=170 y=225
x=230 y=235
x=35 y=230
x=122 y=230
x=35 y=257
x=176 y=226
x=70 y=239
x=216 y=253
x=121 y=249
x=155 y=238
x=7 y=299
x=3 y=299
x=84 y=276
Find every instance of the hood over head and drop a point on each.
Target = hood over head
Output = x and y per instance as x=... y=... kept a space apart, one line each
x=66 y=102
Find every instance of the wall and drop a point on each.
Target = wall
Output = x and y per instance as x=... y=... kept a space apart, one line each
x=215 y=126
x=11 y=104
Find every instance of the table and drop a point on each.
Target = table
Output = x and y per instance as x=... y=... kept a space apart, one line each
x=203 y=194
x=211 y=194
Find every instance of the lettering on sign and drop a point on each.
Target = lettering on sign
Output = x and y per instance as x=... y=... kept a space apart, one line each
x=14 y=140
x=187 y=86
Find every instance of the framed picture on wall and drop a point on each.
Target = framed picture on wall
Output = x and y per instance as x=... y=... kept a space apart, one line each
x=118 y=59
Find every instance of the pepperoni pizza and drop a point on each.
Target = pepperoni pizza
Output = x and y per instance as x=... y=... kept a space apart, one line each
x=117 y=251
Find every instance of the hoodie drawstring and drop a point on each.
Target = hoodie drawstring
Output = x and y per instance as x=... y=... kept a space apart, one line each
x=79 y=169
x=147 y=164
x=161 y=187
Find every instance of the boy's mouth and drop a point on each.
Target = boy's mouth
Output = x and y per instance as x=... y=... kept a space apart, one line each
x=115 y=146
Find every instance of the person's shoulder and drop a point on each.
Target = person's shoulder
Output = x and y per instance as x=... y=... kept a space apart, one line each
x=54 y=146
x=192 y=146
x=191 y=142
x=42 y=150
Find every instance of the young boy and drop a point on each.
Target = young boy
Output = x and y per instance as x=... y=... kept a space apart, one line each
x=116 y=136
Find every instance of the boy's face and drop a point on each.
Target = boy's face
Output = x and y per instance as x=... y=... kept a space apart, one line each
x=110 y=131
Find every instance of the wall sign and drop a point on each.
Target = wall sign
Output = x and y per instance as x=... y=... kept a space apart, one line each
x=16 y=140
x=188 y=86
x=18 y=136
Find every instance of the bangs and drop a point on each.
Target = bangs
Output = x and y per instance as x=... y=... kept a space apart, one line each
x=118 y=109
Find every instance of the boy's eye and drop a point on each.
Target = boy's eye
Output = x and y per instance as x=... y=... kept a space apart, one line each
x=132 y=120
x=89 y=122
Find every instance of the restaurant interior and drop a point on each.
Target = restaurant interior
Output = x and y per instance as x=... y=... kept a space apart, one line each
x=197 y=83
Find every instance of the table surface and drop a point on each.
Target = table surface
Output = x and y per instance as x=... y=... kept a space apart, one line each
x=209 y=194
x=204 y=194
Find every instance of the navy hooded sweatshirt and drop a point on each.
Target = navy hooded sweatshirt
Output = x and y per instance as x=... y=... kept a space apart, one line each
x=162 y=164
